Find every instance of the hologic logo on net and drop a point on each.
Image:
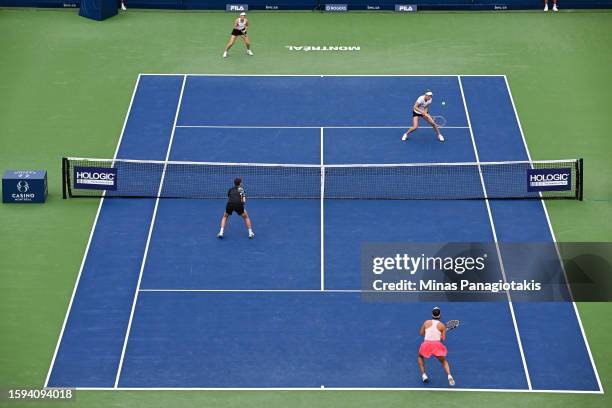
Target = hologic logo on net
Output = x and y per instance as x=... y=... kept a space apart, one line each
x=97 y=178
x=549 y=179
x=307 y=48
x=103 y=179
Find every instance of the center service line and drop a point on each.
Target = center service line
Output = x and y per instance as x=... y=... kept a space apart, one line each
x=322 y=216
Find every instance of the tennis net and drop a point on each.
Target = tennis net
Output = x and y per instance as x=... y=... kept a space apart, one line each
x=88 y=177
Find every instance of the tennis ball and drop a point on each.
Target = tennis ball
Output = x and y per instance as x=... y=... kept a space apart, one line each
x=443 y=103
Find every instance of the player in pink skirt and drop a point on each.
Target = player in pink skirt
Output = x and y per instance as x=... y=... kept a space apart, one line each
x=434 y=333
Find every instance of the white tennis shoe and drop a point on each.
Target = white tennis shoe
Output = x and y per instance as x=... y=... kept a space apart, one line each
x=250 y=52
x=224 y=54
x=440 y=137
x=546 y=7
x=425 y=378
x=123 y=7
x=451 y=381
x=404 y=137
x=251 y=235
x=555 y=7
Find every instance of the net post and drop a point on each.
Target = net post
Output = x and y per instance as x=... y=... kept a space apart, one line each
x=580 y=179
x=68 y=188
x=64 y=167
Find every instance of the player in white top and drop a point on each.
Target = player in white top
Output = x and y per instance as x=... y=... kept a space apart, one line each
x=554 y=5
x=240 y=30
x=434 y=333
x=421 y=110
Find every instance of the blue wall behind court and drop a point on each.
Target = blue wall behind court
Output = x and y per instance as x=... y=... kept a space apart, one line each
x=316 y=4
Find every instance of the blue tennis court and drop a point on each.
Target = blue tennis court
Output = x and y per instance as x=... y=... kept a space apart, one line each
x=160 y=302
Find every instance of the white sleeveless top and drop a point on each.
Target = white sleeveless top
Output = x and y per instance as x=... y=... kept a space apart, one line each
x=421 y=103
x=432 y=333
x=241 y=24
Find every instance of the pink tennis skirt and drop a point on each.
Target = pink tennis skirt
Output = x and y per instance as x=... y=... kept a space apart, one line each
x=432 y=348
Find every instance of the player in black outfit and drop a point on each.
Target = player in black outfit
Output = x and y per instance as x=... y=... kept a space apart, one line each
x=235 y=202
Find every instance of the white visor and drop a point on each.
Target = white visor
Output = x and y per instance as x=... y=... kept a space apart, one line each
x=243 y=14
x=429 y=93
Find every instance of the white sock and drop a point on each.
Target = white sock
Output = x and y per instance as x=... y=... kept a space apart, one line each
x=450 y=376
x=250 y=231
x=221 y=231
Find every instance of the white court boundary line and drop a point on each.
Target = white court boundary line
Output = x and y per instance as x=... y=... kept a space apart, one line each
x=325 y=75
x=91 y=233
x=501 y=390
x=501 y=262
x=303 y=127
x=554 y=238
x=315 y=389
x=381 y=292
x=151 y=227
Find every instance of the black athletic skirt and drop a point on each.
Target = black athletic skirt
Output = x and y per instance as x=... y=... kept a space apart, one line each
x=238 y=33
x=416 y=114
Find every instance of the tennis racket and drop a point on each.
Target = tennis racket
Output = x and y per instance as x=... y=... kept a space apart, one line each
x=452 y=324
x=439 y=120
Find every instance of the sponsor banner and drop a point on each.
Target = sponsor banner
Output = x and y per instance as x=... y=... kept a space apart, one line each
x=331 y=48
x=474 y=272
x=406 y=8
x=95 y=178
x=549 y=179
x=24 y=186
x=236 y=7
x=334 y=8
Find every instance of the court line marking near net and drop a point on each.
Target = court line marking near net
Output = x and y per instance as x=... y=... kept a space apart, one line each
x=491 y=221
x=151 y=227
x=554 y=238
x=303 y=127
x=91 y=233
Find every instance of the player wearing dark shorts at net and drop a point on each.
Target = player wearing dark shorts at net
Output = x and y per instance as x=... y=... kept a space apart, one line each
x=235 y=202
